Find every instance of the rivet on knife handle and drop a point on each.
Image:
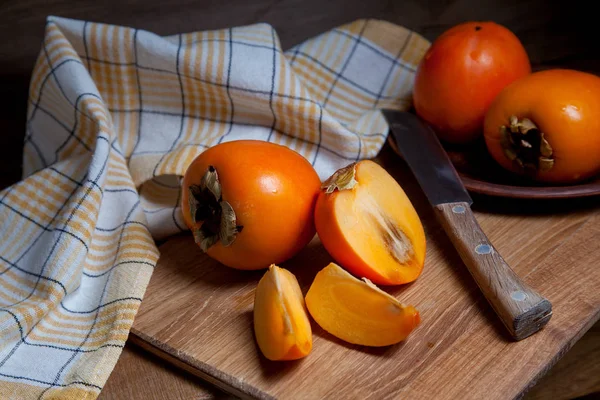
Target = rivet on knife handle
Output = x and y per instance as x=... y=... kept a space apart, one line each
x=522 y=310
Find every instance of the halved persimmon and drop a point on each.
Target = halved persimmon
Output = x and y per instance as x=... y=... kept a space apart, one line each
x=357 y=311
x=281 y=323
x=369 y=226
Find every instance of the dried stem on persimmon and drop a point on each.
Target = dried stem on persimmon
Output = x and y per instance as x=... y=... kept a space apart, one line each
x=525 y=145
x=342 y=179
x=216 y=216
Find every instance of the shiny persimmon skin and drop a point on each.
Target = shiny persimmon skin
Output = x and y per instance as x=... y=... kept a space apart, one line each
x=565 y=106
x=272 y=190
x=461 y=73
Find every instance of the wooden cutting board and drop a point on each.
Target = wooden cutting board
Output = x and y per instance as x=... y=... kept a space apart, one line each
x=197 y=314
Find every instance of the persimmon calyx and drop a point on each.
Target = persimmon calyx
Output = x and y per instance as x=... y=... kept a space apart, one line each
x=216 y=216
x=342 y=179
x=525 y=145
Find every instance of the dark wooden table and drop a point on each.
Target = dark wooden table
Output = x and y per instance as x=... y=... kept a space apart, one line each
x=554 y=34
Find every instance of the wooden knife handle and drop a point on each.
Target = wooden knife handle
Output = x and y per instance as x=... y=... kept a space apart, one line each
x=522 y=310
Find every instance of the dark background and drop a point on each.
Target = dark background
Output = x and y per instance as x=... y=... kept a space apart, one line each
x=554 y=33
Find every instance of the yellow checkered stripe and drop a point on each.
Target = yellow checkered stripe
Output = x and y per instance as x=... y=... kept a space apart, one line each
x=115 y=117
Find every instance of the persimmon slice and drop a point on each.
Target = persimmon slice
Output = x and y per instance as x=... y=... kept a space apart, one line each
x=369 y=226
x=281 y=323
x=357 y=311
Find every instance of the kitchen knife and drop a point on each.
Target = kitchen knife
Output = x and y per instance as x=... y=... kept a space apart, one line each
x=522 y=310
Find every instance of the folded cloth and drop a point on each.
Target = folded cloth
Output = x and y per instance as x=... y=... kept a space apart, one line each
x=115 y=116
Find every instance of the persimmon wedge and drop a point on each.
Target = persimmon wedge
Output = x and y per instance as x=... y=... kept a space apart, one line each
x=281 y=323
x=369 y=226
x=357 y=311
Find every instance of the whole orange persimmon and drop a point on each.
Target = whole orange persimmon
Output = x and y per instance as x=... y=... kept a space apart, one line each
x=461 y=73
x=547 y=126
x=250 y=203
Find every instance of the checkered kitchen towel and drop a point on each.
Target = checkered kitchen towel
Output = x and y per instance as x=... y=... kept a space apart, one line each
x=115 y=116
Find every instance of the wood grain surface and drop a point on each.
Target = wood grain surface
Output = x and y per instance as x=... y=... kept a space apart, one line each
x=140 y=375
x=201 y=313
x=574 y=376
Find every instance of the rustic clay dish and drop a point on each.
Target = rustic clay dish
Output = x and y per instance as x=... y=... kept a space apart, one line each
x=481 y=174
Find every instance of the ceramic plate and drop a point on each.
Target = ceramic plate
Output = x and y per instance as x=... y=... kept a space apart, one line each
x=481 y=174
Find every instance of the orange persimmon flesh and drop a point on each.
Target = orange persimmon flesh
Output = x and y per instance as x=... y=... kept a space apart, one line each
x=281 y=323
x=369 y=226
x=357 y=311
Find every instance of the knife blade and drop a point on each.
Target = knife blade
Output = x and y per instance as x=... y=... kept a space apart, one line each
x=427 y=159
x=522 y=310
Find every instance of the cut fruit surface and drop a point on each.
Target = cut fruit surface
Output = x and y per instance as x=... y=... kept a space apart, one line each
x=281 y=323
x=357 y=311
x=369 y=226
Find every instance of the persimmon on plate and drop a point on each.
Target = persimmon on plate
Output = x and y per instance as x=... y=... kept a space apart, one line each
x=461 y=73
x=546 y=126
